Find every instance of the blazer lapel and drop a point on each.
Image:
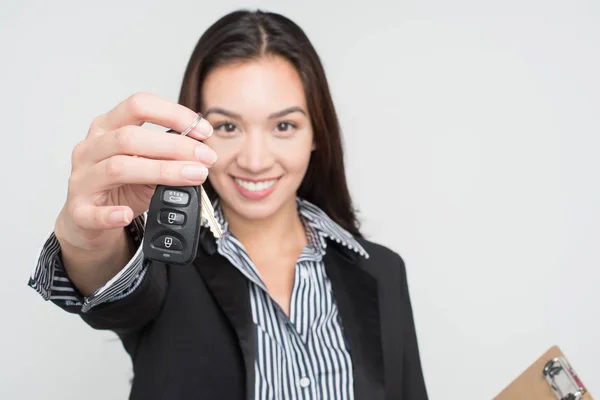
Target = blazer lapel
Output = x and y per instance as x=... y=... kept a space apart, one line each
x=356 y=295
x=230 y=289
x=355 y=292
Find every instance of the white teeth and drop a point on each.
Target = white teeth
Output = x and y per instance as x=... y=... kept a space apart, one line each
x=256 y=186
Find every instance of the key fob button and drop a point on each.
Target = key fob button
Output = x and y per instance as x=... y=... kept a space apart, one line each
x=172 y=230
x=169 y=217
x=168 y=242
x=176 y=197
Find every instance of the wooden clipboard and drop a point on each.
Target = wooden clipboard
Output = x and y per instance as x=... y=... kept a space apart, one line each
x=550 y=377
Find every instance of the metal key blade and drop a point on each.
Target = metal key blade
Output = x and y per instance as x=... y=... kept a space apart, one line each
x=207 y=212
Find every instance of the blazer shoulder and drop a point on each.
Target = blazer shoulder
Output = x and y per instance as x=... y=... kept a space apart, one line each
x=381 y=257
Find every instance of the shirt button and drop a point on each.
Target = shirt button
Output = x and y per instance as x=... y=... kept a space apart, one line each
x=304 y=382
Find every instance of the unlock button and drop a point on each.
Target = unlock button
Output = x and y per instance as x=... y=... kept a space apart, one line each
x=172 y=218
x=168 y=242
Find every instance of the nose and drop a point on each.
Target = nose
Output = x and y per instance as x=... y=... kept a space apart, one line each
x=255 y=156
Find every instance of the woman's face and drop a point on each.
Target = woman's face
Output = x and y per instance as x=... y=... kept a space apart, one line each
x=262 y=135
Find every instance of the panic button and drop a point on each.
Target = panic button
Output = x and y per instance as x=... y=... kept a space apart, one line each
x=168 y=242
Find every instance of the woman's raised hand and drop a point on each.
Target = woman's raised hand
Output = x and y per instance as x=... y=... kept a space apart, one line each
x=116 y=168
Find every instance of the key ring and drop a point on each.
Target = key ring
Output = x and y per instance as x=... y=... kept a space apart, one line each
x=193 y=125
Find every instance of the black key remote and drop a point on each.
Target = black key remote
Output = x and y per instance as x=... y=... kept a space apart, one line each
x=173 y=225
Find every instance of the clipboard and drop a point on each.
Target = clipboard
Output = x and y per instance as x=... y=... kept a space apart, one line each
x=550 y=377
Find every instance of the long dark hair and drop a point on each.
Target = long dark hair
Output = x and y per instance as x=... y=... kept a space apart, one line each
x=243 y=35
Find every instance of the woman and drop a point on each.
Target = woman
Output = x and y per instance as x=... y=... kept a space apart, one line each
x=292 y=302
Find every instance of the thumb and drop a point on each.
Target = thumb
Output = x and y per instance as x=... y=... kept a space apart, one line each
x=90 y=217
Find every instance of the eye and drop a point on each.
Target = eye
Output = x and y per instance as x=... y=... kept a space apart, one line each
x=285 y=127
x=225 y=128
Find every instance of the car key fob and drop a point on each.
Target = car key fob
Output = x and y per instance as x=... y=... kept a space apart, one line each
x=173 y=224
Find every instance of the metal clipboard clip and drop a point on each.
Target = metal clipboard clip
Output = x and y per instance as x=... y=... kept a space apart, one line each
x=563 y=380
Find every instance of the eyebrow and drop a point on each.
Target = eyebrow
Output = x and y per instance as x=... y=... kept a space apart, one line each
x=230 y=114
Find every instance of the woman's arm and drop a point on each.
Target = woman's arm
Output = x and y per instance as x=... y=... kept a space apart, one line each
x=125 y=303
x=135 y=310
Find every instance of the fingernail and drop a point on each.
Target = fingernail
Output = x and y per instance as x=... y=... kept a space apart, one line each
x=204 y=128
x=117 y=216
x=194 y=172
x=204 y=154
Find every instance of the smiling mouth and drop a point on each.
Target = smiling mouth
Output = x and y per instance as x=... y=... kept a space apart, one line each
x=253 y=186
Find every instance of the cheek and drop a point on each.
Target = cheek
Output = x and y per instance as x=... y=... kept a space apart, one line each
x=294 y=155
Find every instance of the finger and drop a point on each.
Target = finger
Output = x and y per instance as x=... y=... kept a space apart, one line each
x=134 y=140
x=90 y=217
x=120 y=170
x=145 y=107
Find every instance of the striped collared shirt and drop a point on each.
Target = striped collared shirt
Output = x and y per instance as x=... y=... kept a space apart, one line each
x=301 y=356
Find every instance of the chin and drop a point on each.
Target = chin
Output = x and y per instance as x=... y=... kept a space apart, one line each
x=253 y=212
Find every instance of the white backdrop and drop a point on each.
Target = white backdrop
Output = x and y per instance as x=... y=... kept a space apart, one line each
x=472 y=137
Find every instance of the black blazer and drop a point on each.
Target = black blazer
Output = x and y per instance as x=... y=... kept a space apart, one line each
x=190 y=335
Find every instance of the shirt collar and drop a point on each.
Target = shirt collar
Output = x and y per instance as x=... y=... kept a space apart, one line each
x=318 y=225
